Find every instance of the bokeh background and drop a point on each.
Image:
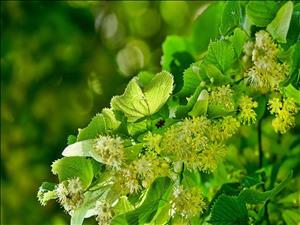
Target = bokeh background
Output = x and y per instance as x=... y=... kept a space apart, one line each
x=61 y=62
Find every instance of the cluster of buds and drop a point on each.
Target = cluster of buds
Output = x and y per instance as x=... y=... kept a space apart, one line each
x=109 y=150
x=267 y=72
x=70 y=194
x=187 y=203
x=284 y=112
x=247 y=114
x=104 y=211
x=222 y=96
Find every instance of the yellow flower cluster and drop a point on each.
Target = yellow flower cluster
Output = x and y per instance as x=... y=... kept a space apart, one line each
x=284 y=112
x=187 y=203
x=266 y=72
x=152 y=142
x=197 y=142
x=222 y=96
x=70 y=194
x=247 y=114
x=149 y=167
x=109 y=150
x=140 y=173
x=104 y=212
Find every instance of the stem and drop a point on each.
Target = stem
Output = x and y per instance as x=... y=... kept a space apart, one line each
x=260 y=150
x=260 y=165
x=181 y=173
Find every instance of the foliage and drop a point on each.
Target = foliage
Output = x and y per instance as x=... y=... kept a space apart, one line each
x=178 y=147
x=60 y=63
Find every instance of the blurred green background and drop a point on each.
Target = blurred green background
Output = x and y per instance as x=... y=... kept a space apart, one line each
x=61 y=62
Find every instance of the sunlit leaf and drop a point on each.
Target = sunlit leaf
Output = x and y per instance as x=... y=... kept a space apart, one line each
x=137 y=102
x=279 y=27
x=71 y=167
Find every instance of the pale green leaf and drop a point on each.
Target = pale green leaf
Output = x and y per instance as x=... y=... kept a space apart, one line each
x=122 y=206
x=84 y=211
x=145 y=211
x=81 y=148
x=200 y=107
x=71 y=167
x=111 y=121
x=279 y=27
x=292 y=92
x=137 y=102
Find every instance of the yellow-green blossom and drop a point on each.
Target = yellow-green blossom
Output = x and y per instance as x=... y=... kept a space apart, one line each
x=70 y=194
x=198 y=142
x=109 y=150
x=126 y=180
x=187 y=203
x=223 y=129
x=149 y=167
x=284 y=112
x=267 y=72
x=152 y=141
x=104 y=212
x=247 y=114
x=210 y=157
x=222 y=96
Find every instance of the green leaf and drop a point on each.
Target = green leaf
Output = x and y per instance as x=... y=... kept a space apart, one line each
x=221 y=54
x=279 y=27
x=191 y=178
x=200 y=107
x=122 y=206
x=215 y=75
x=145 y=212
x=182 y=110
x=171 y=45
x=231 y=16
x=229 y=210
x=192 y=77
x=90 y=197
x=71 y=139
x=206 y=27
x=111 y=121
x=137 y=127
x=137 y=103
x=81 y=148
x=292 y=92
x=95 y=127
x=145 y=77
x=70 y=167
x=251 y=196
x=294 y=31
x=181 y=61
x=261 y=13
x=132 y=152
x=291 y=217
x=238 y=39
